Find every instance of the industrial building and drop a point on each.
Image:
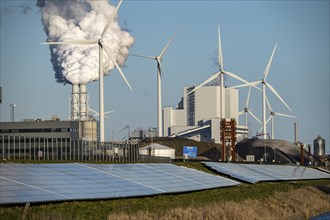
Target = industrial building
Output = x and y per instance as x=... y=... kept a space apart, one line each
x=87 y=130
x=157 y=150
x=61 y=140
x=140 y=134
x=271 y=151
x=197 y=115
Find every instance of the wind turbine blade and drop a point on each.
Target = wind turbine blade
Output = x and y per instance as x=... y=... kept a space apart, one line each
x=214 y=76
x=247 y=84
x=268 y=103
x=93 y=111
x=255 y=117
x=284 y=115
x=269 y=63
x=160 y=68
x=270 y=117
x=162 y=74
x=110 y=20
x=108 y=112
x=168 y=44
x=220 y=50
x=235 y=76
x=241 y=113
x=73 y=42
x=248 y=98
x=278 y=96
x=137 y=55
x=118 y=68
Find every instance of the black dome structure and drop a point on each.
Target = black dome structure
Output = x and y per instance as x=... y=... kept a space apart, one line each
x=271 y=151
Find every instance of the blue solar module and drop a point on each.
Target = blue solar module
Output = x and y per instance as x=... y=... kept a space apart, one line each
x=254 y=173
x=167 y=178
x=21 y=183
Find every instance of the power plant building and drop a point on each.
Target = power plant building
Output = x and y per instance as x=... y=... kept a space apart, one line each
x=197 y=115
x=87 y=130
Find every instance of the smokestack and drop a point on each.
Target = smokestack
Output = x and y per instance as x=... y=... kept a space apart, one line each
x=82 y=20
x=83 y=103
x=295 y=132
x=75 y=111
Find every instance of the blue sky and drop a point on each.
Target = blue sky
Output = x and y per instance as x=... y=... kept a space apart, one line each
x=249 y=31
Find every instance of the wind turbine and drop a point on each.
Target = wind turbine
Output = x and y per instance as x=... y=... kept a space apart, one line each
x=160 y=72
x=247 y=110
x=220 y=73
x=102 y=48
x=272 y=115
x=96 y=114
x=264 y=85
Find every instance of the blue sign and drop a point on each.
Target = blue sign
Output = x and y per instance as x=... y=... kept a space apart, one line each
x=190 y=151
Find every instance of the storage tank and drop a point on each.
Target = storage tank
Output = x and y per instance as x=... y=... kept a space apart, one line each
x=319 y=146
x=89 y=130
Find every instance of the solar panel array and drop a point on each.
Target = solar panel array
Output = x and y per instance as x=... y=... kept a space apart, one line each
x=21 y=183
x=254 y=173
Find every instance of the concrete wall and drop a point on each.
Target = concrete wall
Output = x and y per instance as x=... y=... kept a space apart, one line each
x=207 y=103
x=231 y=104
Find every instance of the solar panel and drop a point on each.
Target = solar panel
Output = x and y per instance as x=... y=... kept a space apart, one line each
x=21 y=183
x=254 y=173
x=166 y=177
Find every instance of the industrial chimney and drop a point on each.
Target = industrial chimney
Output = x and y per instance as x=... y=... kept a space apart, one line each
x=75 y=100
x=295 y=132
x=79 y=103
x=83 y=103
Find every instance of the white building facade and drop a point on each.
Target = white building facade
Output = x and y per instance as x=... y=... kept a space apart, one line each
x=197 y=116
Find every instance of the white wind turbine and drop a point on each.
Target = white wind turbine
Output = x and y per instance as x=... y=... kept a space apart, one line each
x=102 y=48
x=160 y=73
x=272 y=115
x=247 y=110
x=96 y=114
x=264 y=85
x=220 y=73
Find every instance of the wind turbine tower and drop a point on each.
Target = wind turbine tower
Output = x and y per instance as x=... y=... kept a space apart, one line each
x=160 y=73
x=271 y=88
x=272 y=116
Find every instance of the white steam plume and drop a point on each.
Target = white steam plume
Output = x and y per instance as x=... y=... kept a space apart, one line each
x=76 y=20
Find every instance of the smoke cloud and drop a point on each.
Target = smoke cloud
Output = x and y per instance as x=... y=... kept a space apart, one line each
x=78 y=20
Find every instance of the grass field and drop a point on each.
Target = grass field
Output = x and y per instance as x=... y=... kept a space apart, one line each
x=278 y=200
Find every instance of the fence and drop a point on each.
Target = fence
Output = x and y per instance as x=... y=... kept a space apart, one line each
x=62 y=149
